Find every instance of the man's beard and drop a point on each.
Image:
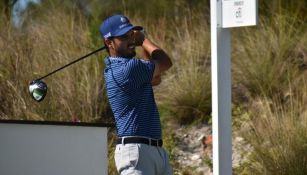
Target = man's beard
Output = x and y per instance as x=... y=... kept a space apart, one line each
x=126 y=53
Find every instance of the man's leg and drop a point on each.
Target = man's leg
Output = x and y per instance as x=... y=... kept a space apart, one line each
x=167 y=168
x=135 y=159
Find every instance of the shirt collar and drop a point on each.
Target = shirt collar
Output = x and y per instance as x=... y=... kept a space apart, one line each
x=108 y=60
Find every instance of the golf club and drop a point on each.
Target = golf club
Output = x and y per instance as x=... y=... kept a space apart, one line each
x=38 y=88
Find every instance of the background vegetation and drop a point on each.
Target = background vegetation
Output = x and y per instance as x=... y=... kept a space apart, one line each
x=269 y=63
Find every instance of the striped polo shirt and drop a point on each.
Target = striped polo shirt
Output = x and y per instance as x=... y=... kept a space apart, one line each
x=130 y=94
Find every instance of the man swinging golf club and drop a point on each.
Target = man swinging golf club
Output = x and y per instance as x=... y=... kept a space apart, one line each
x=129 y=84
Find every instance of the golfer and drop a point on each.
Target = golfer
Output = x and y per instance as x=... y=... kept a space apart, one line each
x=129 y=84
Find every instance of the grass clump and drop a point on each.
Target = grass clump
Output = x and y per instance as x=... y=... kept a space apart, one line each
x=187 y=87
x=266 y=58
x=278 y=136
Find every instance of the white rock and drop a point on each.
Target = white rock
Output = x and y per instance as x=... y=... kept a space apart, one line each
x=195 y=157
x=201 y=137
x=239 y=139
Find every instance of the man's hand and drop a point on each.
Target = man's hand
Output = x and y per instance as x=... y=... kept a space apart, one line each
x=138 y=37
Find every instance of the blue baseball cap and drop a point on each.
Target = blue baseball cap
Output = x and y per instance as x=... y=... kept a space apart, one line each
x=116 y=25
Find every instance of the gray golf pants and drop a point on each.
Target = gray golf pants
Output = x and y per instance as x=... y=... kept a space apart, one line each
x=141 y=159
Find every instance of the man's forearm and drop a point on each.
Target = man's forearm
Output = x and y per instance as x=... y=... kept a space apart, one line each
x=149 y=46
x=146 y=55
x=157 y=54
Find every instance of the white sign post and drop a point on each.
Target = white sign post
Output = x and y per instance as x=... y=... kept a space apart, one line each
x=225 y=14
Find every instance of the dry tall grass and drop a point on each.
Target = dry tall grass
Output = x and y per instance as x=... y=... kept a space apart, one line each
x=267 y=57
x=269 y=62
x=76 y=93
x=186 y=88
x=278 y=136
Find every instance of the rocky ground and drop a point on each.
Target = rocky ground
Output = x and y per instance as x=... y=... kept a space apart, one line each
x=194 y=149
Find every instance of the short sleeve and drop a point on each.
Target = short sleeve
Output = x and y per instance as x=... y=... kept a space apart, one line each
x=138 y=72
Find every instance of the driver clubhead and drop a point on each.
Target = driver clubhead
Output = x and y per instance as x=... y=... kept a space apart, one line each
x=38 y=90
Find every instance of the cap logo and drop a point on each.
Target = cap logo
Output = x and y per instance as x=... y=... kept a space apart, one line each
x=123 y=19
x=122 y=26
x=107 y=35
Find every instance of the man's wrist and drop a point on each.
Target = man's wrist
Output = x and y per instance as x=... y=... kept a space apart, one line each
x=144 y=42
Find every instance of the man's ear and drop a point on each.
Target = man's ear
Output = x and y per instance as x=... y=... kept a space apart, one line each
x=109 y=43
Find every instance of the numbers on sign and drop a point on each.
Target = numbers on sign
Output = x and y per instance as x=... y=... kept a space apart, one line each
x=239 y=13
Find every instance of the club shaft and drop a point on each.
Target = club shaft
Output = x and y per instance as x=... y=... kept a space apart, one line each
x=73 y=62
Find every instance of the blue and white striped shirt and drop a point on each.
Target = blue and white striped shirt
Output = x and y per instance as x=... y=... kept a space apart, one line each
x=130 y=94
